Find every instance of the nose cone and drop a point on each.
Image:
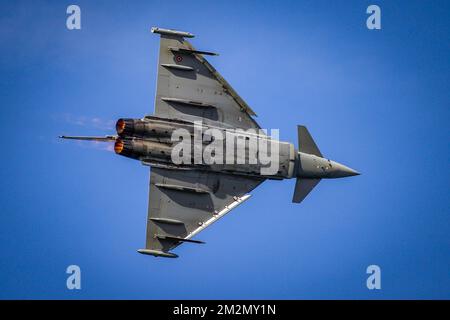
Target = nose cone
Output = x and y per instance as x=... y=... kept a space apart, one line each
x=340 y=171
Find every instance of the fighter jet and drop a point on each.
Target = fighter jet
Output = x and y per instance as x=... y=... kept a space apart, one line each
x=205 y=149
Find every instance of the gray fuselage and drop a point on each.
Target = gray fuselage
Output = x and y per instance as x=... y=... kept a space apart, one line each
x=160 y=142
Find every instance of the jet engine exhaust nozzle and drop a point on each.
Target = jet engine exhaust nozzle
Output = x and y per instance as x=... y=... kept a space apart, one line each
x=125 y=126
x=118 y=146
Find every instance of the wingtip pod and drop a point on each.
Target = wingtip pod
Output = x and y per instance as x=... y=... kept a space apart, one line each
x=157 y=253
x=172 y=32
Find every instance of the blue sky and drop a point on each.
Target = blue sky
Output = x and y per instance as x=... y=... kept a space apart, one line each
x=377 y=101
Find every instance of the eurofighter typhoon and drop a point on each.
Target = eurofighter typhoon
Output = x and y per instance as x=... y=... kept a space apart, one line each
x=205 y=149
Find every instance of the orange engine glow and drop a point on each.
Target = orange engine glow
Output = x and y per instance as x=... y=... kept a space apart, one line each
x=118 y=146
x=120 y=126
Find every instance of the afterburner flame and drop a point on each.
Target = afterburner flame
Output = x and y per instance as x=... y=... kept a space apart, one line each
x=120 y=126
x=118 y=146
